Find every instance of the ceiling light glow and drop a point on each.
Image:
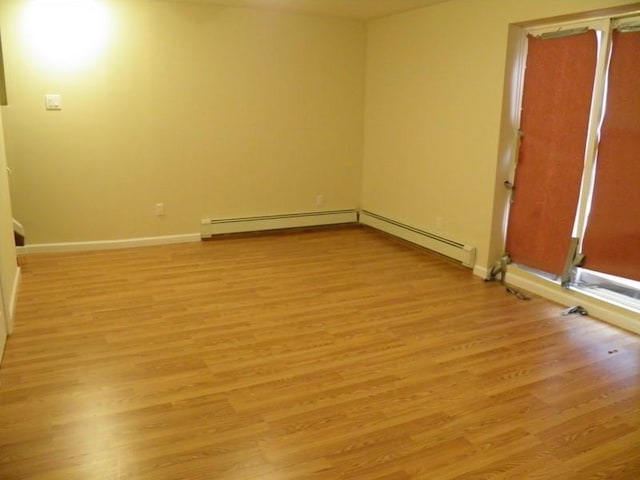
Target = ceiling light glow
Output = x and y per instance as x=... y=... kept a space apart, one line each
x=66 y=34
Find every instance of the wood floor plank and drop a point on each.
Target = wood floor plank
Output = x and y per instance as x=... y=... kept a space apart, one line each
x=326 y=354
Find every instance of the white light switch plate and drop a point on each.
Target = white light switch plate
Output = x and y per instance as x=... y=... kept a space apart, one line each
x=53 y=101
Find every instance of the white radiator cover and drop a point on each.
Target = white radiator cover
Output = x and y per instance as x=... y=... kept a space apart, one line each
x=210 y=227
x=466 y=254
x=461 y=252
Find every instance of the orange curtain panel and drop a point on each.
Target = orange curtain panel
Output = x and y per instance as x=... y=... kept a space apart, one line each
x=612 y=239
x=556 y=101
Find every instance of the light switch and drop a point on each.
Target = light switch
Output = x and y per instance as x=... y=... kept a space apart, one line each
x=53 y=101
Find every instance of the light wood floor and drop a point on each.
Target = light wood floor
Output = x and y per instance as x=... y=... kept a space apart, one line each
x=332 y=354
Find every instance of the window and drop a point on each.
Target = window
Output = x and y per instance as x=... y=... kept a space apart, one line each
x=575 y=209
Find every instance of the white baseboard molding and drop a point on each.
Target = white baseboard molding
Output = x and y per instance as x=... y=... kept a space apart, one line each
x=482 y=272
x=618 y=316
x=456 y=250
x=108 y=244
x=13 y=301
x=210 y=227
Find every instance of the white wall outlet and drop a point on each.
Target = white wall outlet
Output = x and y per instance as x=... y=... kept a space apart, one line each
x=159 y=209
x=439 y=223
x=319 y=200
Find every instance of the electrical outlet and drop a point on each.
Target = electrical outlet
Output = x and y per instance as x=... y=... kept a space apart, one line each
x=439 y=223
x=319 y=200
x=159 y=209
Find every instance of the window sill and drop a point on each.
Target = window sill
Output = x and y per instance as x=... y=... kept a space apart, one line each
x=616 y=314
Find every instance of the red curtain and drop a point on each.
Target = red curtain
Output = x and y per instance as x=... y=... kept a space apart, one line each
x=612 y=239
x=556 y=102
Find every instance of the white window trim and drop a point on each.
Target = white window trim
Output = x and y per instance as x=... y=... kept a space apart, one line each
x=604 y=25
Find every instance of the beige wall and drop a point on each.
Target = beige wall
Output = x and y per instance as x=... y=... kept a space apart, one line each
x=217 y=112
x=8 y=265
x=434 y=94
x=222 y=112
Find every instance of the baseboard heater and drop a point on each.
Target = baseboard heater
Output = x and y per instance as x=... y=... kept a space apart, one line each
x=210 y=227
x=453 y=249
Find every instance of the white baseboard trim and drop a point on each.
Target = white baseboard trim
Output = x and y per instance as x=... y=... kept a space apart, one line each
x=482 y=272
x=108 y=244
x=601 y=310
x=13 y=301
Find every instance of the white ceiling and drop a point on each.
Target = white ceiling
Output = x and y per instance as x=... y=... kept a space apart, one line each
x=363 y=9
